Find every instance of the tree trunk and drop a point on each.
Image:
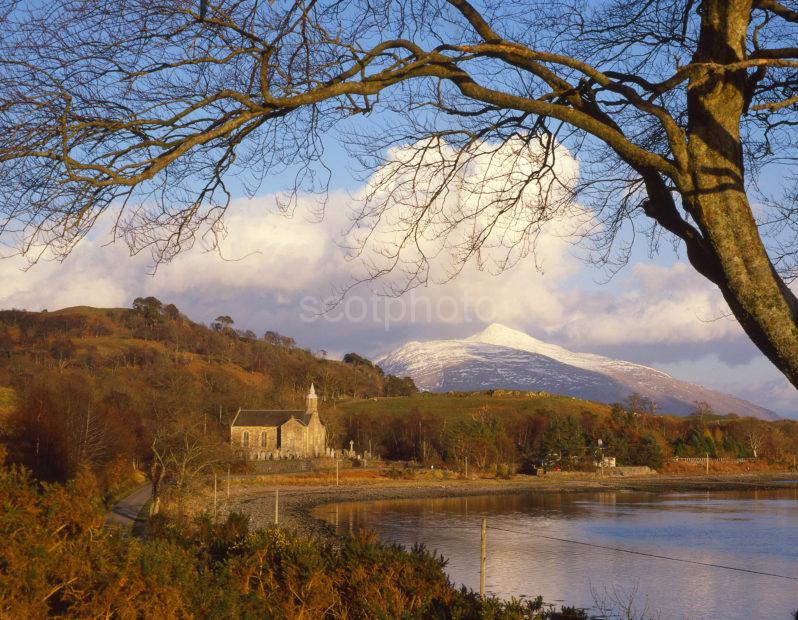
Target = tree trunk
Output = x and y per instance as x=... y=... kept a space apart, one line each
x=156 y=475
x=716 y=198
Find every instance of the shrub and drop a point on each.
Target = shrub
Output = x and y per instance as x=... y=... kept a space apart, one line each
x=503 y=471
x=395 y=473
x=649 y=453
x=57 y=559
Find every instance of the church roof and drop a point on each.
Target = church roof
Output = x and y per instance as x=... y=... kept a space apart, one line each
x=267 y=417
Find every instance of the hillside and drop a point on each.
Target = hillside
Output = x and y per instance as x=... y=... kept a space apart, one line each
x=500 y=357
x=93 y=385
x=452 y=405
x=110 y=388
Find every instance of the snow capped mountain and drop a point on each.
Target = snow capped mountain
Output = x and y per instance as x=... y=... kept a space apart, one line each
x=503 y=358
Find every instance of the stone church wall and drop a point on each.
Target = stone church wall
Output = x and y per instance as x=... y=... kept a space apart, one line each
x=316 y=437
x=293 y=439
x=262 y=441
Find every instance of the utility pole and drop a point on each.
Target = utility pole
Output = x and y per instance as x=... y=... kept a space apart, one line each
x=421 y=444
x=482 y=557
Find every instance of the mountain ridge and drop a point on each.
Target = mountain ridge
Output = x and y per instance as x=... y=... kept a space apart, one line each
x=502 y=357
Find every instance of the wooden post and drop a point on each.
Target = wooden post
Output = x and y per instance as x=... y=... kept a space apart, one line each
x=214 y=497
x=277 y=506
x=482 y=557
x=228 y=483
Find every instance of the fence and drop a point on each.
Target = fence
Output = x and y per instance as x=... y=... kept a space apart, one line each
x=703 y=459
x=292 y=466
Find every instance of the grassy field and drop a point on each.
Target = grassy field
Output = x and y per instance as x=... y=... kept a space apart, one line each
x=451 y=406
x=91 y=311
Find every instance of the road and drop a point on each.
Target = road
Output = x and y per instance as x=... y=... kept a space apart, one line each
x=126 y=510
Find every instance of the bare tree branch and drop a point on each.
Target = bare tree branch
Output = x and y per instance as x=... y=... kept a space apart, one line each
x=673 y=109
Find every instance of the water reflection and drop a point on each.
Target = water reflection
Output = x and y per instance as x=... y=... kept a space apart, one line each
x=755 y=530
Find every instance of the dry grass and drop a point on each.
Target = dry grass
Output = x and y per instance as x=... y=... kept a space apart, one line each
x=360 y=477
x=393 y=476
x=7 y=400
x=108 y=346
x=349 y=477
x=677 y=468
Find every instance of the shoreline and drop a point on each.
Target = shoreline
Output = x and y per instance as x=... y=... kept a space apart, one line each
x=299 y=504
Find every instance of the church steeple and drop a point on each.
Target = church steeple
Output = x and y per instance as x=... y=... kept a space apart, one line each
x=311 y=401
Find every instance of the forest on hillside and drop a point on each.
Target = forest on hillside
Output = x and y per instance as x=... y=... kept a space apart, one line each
x=521 y=431
x=145 y=388
x=116 y=388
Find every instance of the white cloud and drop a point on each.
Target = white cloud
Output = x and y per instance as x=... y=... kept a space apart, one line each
x=93 y=275
x=261 y=250
x=438 y=206
x=267 y=263
x=652 y=304
x=777 y=394
x=755 y=380
x=428 y=233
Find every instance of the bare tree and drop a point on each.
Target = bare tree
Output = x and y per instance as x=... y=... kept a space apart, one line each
x=675 y=109
x=182 y=450
x=85 y=437
x=755 y=436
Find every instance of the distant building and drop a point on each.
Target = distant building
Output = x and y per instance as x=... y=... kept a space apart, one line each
x=606 y=461
x=261 y=434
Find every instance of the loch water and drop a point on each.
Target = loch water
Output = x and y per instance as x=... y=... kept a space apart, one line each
x=698 y=555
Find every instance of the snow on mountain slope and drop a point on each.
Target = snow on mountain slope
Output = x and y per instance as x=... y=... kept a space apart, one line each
x=503 y=358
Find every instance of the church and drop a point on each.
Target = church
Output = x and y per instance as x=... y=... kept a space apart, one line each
x=262 y=434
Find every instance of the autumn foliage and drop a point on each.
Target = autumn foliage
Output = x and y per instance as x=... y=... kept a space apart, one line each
x=524 y=430
x=57 y=559
x=96 y=387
